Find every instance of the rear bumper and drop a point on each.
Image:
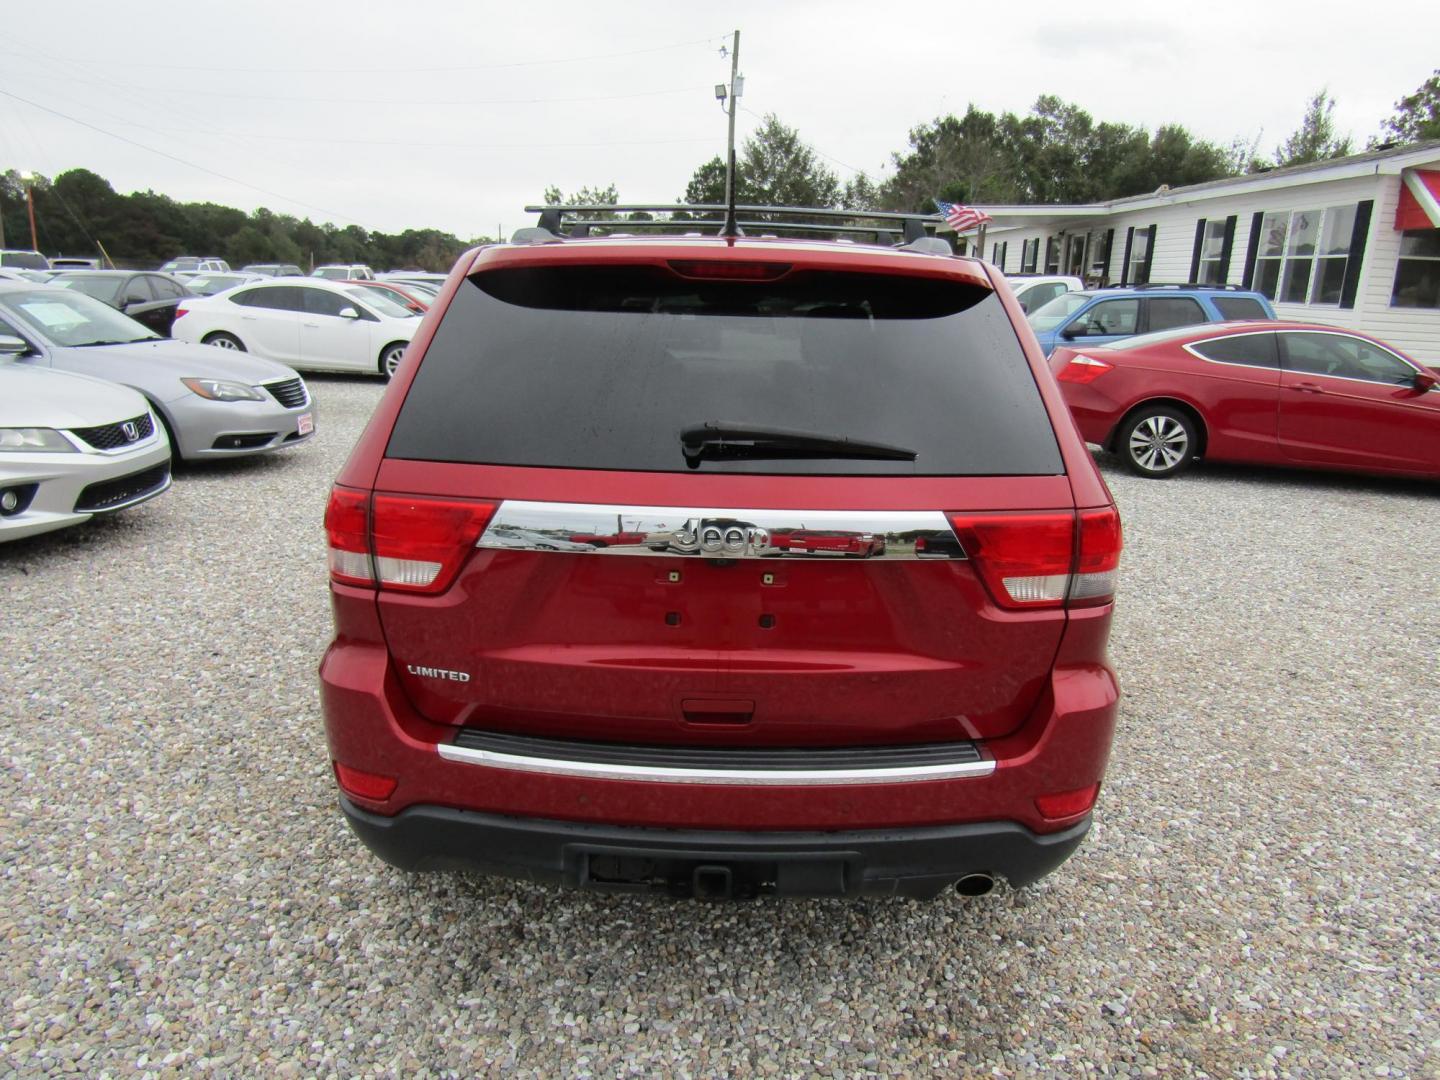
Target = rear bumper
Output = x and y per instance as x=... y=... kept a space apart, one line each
x=916 y=862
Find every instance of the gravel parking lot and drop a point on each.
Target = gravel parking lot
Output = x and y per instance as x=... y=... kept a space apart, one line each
x=1259 y=896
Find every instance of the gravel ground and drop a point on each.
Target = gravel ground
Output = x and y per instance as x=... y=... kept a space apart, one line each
x=1259 y=895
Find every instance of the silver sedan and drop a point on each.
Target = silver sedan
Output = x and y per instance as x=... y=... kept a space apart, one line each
x=213 y=403
x=72 y=447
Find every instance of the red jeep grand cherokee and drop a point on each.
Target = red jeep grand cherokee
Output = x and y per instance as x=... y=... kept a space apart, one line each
x=572 y=643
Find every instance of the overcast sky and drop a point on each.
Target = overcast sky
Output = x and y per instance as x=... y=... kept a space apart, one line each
x=456 y=115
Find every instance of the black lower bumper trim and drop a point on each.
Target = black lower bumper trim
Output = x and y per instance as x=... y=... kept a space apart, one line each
x=918 y=862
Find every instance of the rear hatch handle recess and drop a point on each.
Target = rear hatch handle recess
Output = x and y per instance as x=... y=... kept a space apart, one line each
x=726 y=439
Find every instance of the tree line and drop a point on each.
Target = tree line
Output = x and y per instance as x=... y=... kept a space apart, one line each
x=1055 y=153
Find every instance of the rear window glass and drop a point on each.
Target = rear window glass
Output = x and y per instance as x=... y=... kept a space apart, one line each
x=605 y=367
x=26 y=260
x=1255 y=350
x=1239 y=307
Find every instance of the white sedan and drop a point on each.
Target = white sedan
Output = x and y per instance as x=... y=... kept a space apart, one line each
x=72 y=447
x=311 y=323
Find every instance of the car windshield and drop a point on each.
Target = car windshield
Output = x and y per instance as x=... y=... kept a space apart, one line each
x=339 y=273
x=210 y=284
x=1051 y=315
x=101 y=288
x=72 y=319
x=26 y=260
x=379 y=301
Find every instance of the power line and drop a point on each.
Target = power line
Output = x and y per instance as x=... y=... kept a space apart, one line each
x=180 y=160
x=212 y=70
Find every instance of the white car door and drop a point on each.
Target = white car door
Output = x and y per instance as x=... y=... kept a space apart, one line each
x=267 y=321
x=331 y=340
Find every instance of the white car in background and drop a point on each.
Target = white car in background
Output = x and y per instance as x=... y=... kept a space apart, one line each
x=344 y=272
x=72 y=447
x=311 y=324
x=1034 y=291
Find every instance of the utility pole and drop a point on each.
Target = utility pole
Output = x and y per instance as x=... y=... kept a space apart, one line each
x=731 y=227
x=29 y=180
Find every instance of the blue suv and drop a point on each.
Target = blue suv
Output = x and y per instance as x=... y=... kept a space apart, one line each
x=1100 y=316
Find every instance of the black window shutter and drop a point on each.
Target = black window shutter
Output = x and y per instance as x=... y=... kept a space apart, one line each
x=1195 y=253
x=1149 y=256
x=1105 y=259
x=1351 y=285
x=1225 y=249
x=1125 y=263
x=1248 y=280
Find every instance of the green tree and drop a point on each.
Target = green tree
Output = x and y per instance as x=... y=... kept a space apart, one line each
x=1315 y=138
x=1417 y=116
x=775 y=168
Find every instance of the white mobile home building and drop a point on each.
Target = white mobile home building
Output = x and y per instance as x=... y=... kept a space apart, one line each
x=1352 y=242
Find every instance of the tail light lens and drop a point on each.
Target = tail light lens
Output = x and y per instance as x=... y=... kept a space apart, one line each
x=1097 y=564
x=347 y=530
x=180 y=312
x=1040 y=560
x=403 y=542
x=1084 y=369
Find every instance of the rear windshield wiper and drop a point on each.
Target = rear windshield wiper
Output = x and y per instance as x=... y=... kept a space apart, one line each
x=723 y=439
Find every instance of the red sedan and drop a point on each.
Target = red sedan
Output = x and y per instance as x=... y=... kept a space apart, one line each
x=1272 y=393
x=411 y=302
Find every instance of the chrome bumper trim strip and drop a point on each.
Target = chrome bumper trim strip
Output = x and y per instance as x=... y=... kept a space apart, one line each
x=747 y=777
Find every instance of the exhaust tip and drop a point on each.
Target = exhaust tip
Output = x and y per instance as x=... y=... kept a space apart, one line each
x=975 y=884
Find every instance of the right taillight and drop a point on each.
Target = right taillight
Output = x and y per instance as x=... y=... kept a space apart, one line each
x=1097 y=562
x=1043 y=559
x=1084 y=369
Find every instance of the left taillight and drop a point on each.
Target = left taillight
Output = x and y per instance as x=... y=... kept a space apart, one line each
x=409 y=543
x=347 y=530
x=421 y=543
x=1043 y=559
x=1084 y=369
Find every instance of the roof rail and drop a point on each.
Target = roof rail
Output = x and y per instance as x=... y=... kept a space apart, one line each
x=580 y=218
x=1181 y=285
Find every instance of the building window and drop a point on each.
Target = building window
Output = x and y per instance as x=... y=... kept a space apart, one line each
x=1139 y=268
x=1052 y=255
x=1303 y=254
x=1417 y=274
x=1029 y=254
x=1212 y=254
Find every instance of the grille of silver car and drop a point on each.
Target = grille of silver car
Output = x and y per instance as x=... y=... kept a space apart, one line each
x=291 y=393
x=113 y=436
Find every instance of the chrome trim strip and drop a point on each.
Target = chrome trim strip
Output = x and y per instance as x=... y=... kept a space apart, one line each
x=720 y=533
x=747 y=777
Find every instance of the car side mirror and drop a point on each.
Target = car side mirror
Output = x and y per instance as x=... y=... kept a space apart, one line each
x=349 y=313
x=1070 y=333
x=13 y=346
x=1423 y=381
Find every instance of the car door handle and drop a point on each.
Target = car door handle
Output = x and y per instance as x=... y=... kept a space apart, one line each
x=249 y=318
x=313 y=325
x=1306 y=388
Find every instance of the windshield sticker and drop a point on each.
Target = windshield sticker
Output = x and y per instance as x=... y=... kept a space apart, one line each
x=51 y=315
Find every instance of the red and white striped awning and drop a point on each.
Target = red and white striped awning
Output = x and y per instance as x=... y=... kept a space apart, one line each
x=1419 y=200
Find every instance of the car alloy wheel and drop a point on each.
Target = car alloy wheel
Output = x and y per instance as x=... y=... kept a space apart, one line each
x=1159 y=442
x=390 y=360
x=224 y=341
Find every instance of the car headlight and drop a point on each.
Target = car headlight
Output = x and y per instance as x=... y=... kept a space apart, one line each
x=219 y=390
x=30 y=440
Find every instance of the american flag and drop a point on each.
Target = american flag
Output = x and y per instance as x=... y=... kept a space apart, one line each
x=962 y=217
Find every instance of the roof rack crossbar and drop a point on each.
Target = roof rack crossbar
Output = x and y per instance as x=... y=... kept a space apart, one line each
x=759 y=226
x=720 y=208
